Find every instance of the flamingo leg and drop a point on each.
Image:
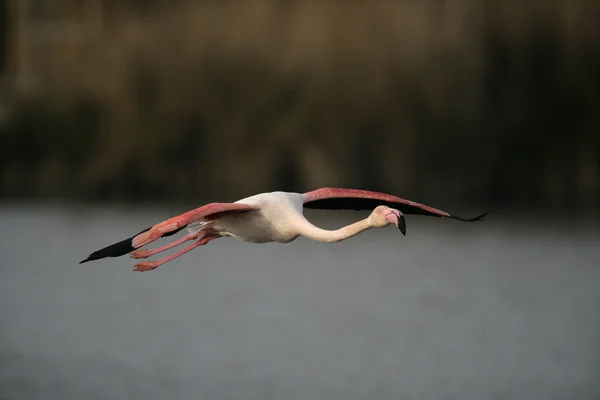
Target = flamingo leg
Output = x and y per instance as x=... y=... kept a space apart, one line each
x=204 y=214
x=150 y=265
x=145 y=253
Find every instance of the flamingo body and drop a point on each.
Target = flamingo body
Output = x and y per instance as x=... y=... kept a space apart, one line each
x=271 y=217
x=277 y=216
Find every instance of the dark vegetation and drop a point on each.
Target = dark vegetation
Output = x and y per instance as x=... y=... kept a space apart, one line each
x=445 y=102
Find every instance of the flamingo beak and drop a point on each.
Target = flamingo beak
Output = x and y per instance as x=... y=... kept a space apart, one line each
x=402 y=225
x=397 y=218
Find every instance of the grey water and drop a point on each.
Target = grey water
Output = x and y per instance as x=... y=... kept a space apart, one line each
x=501 y=309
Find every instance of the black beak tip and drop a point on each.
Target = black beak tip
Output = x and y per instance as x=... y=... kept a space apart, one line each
x=402 y=225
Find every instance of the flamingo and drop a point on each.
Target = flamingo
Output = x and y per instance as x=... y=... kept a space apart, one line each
x=270 y=217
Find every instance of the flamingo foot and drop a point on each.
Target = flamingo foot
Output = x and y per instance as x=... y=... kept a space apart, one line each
x=141 y=253
x=146 y=266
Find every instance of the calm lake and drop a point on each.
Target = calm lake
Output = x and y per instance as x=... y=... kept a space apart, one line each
x=500 y=309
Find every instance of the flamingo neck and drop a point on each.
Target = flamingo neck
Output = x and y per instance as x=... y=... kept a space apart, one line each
x=312 y=232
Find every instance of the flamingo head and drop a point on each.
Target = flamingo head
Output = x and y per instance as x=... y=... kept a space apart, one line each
x=383 y=216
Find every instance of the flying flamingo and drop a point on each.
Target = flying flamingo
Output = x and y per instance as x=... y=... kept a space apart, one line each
x=271 y=217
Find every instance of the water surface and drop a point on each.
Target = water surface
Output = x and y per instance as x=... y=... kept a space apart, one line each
x=451 y=311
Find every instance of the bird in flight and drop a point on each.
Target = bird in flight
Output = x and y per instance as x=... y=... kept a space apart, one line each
x=270 y=217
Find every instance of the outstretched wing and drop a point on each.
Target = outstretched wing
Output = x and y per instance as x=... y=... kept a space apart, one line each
x=168 y=228
x=356 y=199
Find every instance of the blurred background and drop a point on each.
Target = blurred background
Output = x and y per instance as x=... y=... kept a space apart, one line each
x=116 y=114
x=444 y=101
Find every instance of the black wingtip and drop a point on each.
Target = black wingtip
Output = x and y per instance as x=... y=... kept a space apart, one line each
x=114 y=250
x=474 y=219
x=402 y=225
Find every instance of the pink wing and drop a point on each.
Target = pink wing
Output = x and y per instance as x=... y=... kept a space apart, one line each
x=168 y=228
x=356 y=199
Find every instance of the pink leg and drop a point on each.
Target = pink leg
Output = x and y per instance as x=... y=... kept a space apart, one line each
x=150 y=265
x=145 y=253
